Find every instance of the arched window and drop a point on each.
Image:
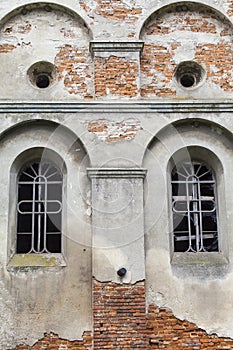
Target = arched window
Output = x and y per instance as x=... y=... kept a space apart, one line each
x=39 y=208
x=194 y=208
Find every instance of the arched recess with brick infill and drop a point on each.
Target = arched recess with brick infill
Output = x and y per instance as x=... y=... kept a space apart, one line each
x=186 y=32
x=25 y=33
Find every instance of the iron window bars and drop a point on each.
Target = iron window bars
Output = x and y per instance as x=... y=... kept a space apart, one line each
x=39 y=209
x=194 y=208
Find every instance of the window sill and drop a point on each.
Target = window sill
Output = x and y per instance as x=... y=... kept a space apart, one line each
x=200 y=259
x=37 y=260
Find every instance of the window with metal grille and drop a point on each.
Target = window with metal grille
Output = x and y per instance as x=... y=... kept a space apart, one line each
x=194 y=208
x=39 y=209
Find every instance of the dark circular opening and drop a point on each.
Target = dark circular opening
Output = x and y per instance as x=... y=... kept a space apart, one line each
x=187 y=80
x=42 y=81
x=121 y=272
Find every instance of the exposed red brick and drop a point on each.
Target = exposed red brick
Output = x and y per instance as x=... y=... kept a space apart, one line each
x=5 y=48
x=212 y=49
x=165 y=331
x=18 y=28
x=115 y=9
x=157 y=58
x=119 y=312
x=121 y=322
x=218 y=60
x=116 y=76
x=110 y=131
x=230 y=8
x=73 y=66
x=182 y=21
x=52 y=341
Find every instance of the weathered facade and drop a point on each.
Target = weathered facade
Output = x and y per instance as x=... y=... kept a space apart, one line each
x=116 y=151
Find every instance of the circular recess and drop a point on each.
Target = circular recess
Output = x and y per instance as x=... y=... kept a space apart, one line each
x=187 y=80
x=42 y=74
x=189 y=74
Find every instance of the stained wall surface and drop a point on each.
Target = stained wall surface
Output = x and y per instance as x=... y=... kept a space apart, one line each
x=116 y=92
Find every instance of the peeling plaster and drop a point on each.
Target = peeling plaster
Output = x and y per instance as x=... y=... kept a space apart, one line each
x=111 y=131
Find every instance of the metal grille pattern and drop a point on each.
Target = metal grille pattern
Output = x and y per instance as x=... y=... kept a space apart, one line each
x=39 y=209
x=195 y=226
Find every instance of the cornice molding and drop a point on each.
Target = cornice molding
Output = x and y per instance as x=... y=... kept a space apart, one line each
x=196 y=106
x=116 y=46
x=94 y=173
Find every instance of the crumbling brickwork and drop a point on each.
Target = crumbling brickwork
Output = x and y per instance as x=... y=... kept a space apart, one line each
x=52 y=341
x=167 y=332
x=200 y=35
x=74 y=68
x=114 y=10
x=66 y=39
x=119 y=316
x=116 y=76
x=120 y=322
x=119 y=56
x=159 y=84
x=5 y=48
x=111 y=132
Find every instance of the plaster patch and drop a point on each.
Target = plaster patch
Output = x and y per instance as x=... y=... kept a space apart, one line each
x=184 y=53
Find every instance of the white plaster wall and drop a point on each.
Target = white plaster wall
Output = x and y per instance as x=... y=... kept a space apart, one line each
x=198 y=291
x=35 y=300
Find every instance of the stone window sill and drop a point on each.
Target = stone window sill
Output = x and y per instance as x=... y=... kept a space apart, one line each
x=200 y=259
x=37 y=260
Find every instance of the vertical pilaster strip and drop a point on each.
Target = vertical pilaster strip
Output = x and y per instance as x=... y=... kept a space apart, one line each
x=119 y=307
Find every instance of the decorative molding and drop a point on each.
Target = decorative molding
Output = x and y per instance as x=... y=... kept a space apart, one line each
x=116 y=173
x=116 y=46
x=135 y=106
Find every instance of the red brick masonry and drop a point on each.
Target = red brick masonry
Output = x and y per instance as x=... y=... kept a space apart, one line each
x=52 y=341
x=119 y=316
x=121 y=322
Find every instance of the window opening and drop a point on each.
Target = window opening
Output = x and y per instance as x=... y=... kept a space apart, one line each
x=39 y=209
x=195 y=226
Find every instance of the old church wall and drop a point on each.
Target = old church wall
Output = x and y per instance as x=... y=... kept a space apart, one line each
x=114 y=93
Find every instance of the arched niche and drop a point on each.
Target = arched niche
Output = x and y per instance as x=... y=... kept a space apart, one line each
x=52 y=137
x=207 y=142
x=186 y=32
x=19 y=145
x=185 y=139
x=45 y=39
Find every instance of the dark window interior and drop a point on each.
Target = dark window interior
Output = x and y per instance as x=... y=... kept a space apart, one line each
x=195 y=226
x=39 y=209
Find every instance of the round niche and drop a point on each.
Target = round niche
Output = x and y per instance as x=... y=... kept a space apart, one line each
x=42 y=74
x=189 y=74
